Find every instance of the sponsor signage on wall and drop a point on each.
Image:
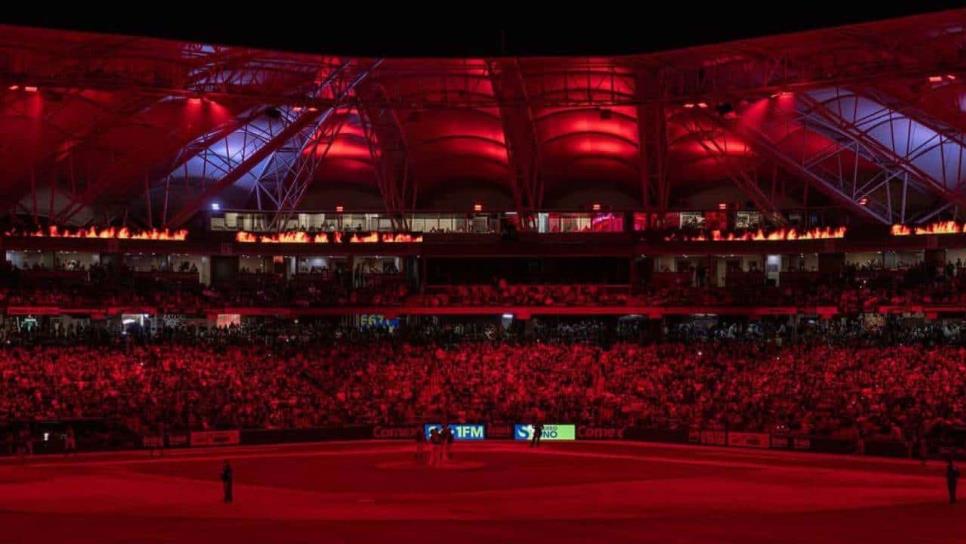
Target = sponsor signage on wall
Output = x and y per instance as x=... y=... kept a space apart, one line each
x=461 y=431
x=714 y=438
x=749 y=440
x=215 y=438
x=600 y=433
x=394 y=432
x=499 y=430
x=523 y=431
x=780 y=442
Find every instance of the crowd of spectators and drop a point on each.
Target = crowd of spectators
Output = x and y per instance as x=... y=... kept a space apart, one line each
x=854 y=290
x=180 y=291
x=503 y=293
x=746 y=383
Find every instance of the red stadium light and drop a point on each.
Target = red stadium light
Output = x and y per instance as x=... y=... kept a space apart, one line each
x=30 y=88
x=722 y=205
x=595 y=207
x=477 y=207
x=13 y=87
x=689 y=105
x=864 y=201
x=339 y=208
x=935 y=79
x=702 y=105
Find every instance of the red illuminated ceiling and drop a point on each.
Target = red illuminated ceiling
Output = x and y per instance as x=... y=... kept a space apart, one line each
x=94 y=126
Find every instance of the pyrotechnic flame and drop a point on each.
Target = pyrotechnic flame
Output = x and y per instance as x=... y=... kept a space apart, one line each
x=779 y=235
x=109 y=233
x=299 y=237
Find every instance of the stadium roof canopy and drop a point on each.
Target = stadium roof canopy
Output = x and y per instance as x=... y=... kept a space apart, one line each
x=868 y=118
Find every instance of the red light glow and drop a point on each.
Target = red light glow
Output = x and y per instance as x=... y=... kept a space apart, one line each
x=779 y=235
x=109 y=233
x=299 y=237
x=941 y=227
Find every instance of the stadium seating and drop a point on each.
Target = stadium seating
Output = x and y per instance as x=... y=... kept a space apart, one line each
x=807 y=388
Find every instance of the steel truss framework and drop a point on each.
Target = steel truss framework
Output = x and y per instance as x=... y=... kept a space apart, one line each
x=864 y=164
x=931 y=159
x=744 y=175
x=834 y=170
x=653 y=145
x=884 y=160
x=272 y=149
x=522 y=143
x=388 y=150
x=288 y=176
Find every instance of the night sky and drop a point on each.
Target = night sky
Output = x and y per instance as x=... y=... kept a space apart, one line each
x=451 y=32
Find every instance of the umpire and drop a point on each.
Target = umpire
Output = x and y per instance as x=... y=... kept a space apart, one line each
x=227 y=478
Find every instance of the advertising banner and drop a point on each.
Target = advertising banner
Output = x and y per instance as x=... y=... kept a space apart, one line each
x=600 y=433
x=461 y=431
x=215 y=438
x=499 y=430
x=407 y=433
x=679 y=436
x=780 y=442
x=523 y=431
x=314 y=434
x=177 y=440
x=748 y=440
x=714 y=438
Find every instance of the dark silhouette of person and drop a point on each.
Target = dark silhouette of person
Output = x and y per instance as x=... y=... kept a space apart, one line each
x=436 y=441
x=26 y=442
x=446 y=435
x=70 y=441
x=923 y=448
x=952 y=478
x=537 y=432
x=227 y=477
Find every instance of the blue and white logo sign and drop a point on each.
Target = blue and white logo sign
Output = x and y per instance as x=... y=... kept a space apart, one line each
x=522 y=432
x=461 y=431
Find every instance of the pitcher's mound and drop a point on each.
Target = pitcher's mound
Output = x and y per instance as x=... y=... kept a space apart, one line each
x=415 y=465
